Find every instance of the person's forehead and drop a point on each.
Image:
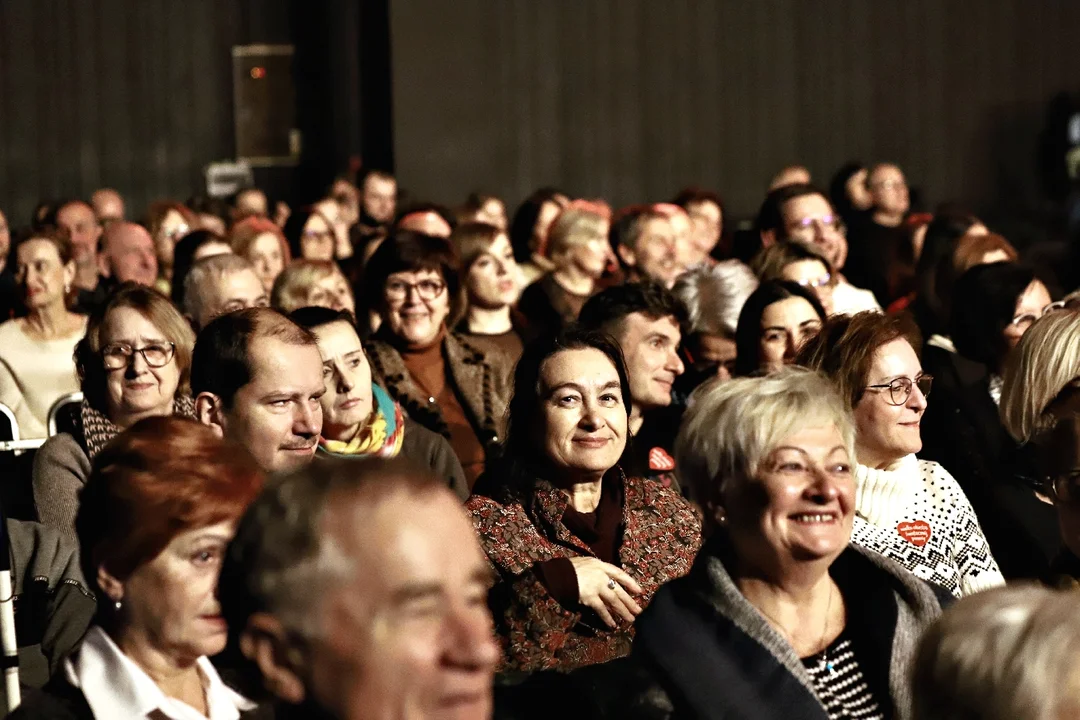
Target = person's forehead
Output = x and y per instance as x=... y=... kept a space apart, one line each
x=808 y=267
x=378 y=182
x=276 y=363
x=637 y=325
x=886 y=172
x=655 y=225
x=894 y=358
x=415 y=275
x=806 y=206
x=74 y=212
x=243 y=279
x=130 y=237
x=128 y=321
x=585 y=366
x=338 y=336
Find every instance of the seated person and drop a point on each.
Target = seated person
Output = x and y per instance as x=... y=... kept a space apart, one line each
x=775 y=321
x=398 y=627
x=578 y=546
x=915 y=512
x=713 y=297
x=221 y=284
x=440 y=379
x=36 y=366
x=257 y=378
x=312 y=282
x=157 y=512
x=647 y=321
x=360 y=420
x=493 y=285
x=134 y=363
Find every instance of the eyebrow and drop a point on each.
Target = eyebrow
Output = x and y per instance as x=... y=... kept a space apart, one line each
x=804 y=452
x=581 y=389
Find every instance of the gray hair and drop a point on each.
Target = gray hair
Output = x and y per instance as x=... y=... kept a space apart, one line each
x=203 y=274
x=714 y=296
x=1001 y=654
x=731 y=427
x=1038 y=369
x=281 y=560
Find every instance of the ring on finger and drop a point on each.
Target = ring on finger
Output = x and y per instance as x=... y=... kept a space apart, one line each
x=611 y=584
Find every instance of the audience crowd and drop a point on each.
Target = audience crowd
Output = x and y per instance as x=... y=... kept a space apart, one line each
x=363 y=459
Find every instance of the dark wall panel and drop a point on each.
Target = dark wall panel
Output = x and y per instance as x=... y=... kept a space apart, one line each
x=133 y=94
x=631 y=99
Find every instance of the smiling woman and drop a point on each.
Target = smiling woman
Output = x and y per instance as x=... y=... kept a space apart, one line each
x=777 y=596
x=579 y=548
x=442 y=380
x=916 y=512
x=134 y=362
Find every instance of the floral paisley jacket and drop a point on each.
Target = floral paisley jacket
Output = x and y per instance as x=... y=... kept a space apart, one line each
x=660 y=535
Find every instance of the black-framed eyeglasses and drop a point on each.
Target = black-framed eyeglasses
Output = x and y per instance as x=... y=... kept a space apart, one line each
x=900 y=388
x=119 y=355
x=426 y=289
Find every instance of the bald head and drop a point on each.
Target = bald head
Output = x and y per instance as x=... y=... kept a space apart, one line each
x=127 y=253
x=108 y=205
x=427 y=222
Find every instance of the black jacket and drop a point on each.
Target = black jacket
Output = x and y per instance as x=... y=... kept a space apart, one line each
x=962 y=431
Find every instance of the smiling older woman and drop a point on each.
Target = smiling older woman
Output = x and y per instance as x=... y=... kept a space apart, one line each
x=916 y=512
x=578 y=547
x=135 y=362
x=780 y=618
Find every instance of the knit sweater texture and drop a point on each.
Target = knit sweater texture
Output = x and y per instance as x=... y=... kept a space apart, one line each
x=915 y=513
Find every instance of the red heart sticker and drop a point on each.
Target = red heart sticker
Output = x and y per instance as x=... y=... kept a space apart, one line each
x=916 y=532
x=660 y=460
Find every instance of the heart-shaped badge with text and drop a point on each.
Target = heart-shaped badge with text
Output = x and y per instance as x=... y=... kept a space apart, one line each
x=916 y=532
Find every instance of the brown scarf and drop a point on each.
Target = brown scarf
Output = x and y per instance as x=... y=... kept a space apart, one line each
x=97 y=429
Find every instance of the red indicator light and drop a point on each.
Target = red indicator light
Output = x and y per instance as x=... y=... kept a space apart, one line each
x=258 y=73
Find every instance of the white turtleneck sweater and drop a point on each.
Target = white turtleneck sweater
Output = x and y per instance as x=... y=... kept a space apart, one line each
x=915 y=513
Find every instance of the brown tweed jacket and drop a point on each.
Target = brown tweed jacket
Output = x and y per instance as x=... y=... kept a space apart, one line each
x=661 y=534
x=482 y=381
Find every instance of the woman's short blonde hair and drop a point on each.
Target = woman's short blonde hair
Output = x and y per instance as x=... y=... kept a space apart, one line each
x=1002 y=654
x=731 y=427
x=1038 y=369
x=294 y=284
x=579 y=223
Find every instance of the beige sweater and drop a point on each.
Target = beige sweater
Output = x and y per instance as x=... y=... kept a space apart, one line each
x=34 y=374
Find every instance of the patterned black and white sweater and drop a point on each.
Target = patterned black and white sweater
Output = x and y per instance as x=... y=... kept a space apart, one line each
x=915 y=513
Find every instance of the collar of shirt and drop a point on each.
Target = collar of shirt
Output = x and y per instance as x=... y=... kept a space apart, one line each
x=115 y=687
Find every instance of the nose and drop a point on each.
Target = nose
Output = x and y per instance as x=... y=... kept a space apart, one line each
x=590 y=418
x=916 y=400
x=791 y=346
x=469 y=640
x=138 y=365
x=308 y=420
x=345 y=383
x=675 y=363
x=824 y=488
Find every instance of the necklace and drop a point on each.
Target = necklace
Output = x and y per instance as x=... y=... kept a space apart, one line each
x=824 y=633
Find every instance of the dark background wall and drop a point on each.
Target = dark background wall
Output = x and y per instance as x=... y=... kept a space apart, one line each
x=631 y=99
x=628 y=99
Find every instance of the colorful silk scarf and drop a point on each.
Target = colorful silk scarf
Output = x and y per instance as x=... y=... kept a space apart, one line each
x=382 y=437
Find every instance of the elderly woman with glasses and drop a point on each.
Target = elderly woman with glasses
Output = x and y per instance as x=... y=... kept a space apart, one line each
x=915 y=511
x=134 y=362
x=442 y=380
x=992 y=307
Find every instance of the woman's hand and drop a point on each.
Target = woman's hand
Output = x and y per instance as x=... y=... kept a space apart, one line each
x=594 y=579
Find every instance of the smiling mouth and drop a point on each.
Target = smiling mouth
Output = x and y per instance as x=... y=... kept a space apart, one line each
x=815 y=518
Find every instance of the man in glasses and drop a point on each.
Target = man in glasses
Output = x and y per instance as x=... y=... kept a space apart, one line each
x=802 y=214
x=257 y=378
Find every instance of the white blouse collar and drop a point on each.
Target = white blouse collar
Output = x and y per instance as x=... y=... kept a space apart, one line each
x=115 y=687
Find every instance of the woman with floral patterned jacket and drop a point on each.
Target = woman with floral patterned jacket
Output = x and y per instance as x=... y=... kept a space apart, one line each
x=578 y=548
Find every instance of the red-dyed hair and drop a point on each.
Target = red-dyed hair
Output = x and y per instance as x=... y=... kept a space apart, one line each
x=243 y=234
x=157 y=479
x=160 y=209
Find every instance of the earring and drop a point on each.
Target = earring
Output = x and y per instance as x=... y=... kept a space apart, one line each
x=117 y=605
